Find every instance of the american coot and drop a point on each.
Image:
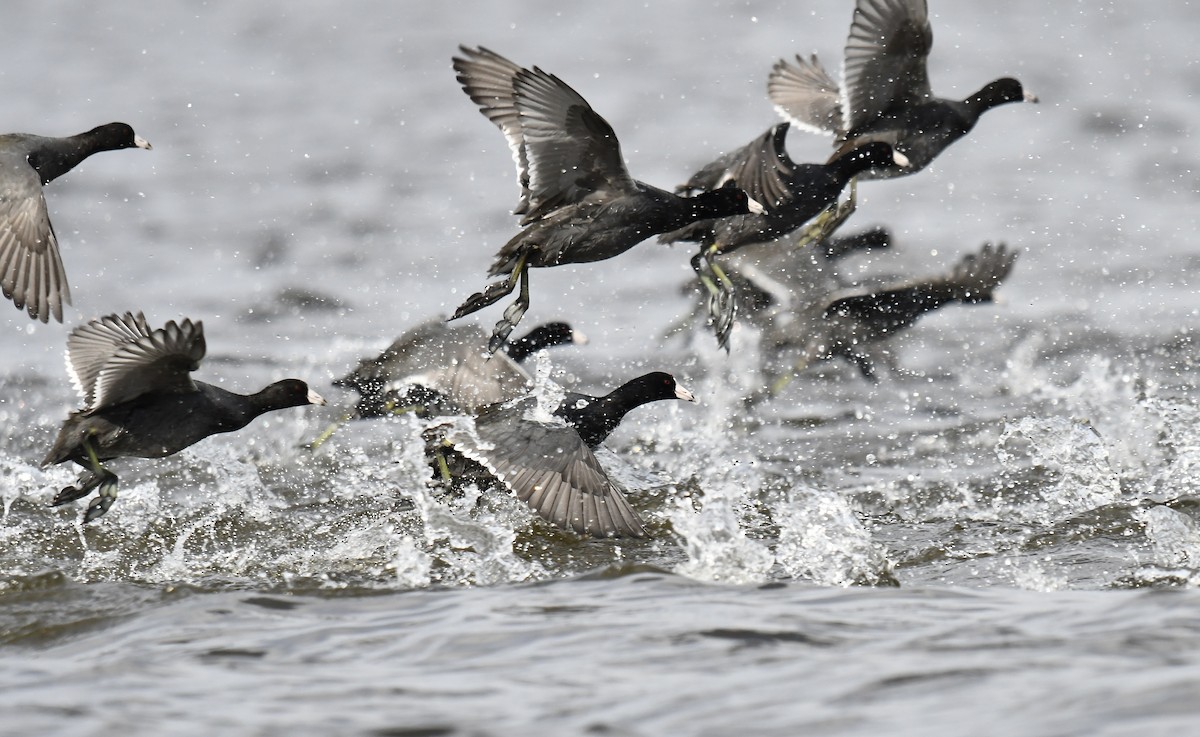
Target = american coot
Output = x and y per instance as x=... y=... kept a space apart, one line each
x=578 y=202
x=886 y=96
x=31 y=268
x=445 y=369
x=549 y=463
x=793 y=195
x=140 y=402
x=849 y=322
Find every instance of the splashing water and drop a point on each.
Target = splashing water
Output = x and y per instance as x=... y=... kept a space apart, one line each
x=821 y=538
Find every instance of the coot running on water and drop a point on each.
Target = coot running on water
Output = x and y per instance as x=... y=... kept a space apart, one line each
x=141 y=402
x=548 y=462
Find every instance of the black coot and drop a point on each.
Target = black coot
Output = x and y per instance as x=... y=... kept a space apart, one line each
x=887 y=96
x=578 y=201
x=850 y=322
x=548 y=462
x=31 y=268
x=141 y=402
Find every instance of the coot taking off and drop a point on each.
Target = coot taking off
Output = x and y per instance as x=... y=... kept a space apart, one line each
x=578 y=201
x=139 y=400
x=792 y=193
x=848 y=322
x=31 y=268
x=445 y=369
x=886 y=95
x=548 y=463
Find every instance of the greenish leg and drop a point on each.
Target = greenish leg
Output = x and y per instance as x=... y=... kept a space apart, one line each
x=722 y=305
x=493 y=292
x=830 y=219
x=91 y=454
x=106 y=481
x=443 y=467
x=516 y=310
x=328 y=432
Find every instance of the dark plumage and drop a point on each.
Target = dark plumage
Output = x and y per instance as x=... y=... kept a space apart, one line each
x=445 y=369
x=792 y=193
x=140 y=402
x=848 y=322
x=578 y=201
x=887 y=96
x=31 y=268
x=548 y=463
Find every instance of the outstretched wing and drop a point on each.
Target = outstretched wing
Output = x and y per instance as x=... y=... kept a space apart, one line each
x=487 y=78
x=117 y=358
x=805 y=94
x=548 y=467
x=572 y=150
x=451 y=360
x=564 y=150
x=31 y=268
x=761 y=168
x=885 y=58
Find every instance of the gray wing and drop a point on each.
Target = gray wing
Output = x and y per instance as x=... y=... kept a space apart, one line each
x=761 y=168
x=449 y=359
x=118 y=358
x=563 y=149
x=573 y=152
x=886 y=55
x=806 y=95
x=548 y=467
x=31 y=269
x=487 y=78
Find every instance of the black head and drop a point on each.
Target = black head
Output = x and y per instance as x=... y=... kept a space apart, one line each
x=543 y=336
x=595 y=417
x=288 y=393
x=114 y=136
x=1000 y=91
x=725 y=201
x=651 y=387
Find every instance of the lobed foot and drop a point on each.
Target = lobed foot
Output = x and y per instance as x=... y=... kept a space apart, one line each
x=505 y=326
x=490 y=295
x=722 y=303
x=103 y=500
x=87 y=481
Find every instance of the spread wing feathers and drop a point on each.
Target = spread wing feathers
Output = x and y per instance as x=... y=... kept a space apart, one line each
x=562 y=148
x=885 y=58
x=806 y=95
x=972 y=280
x=572 y=151
x=118 y=358
x=451 y=360
x=762 y=168
x=31 y=269
x=548 y=467
x=487 y=78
